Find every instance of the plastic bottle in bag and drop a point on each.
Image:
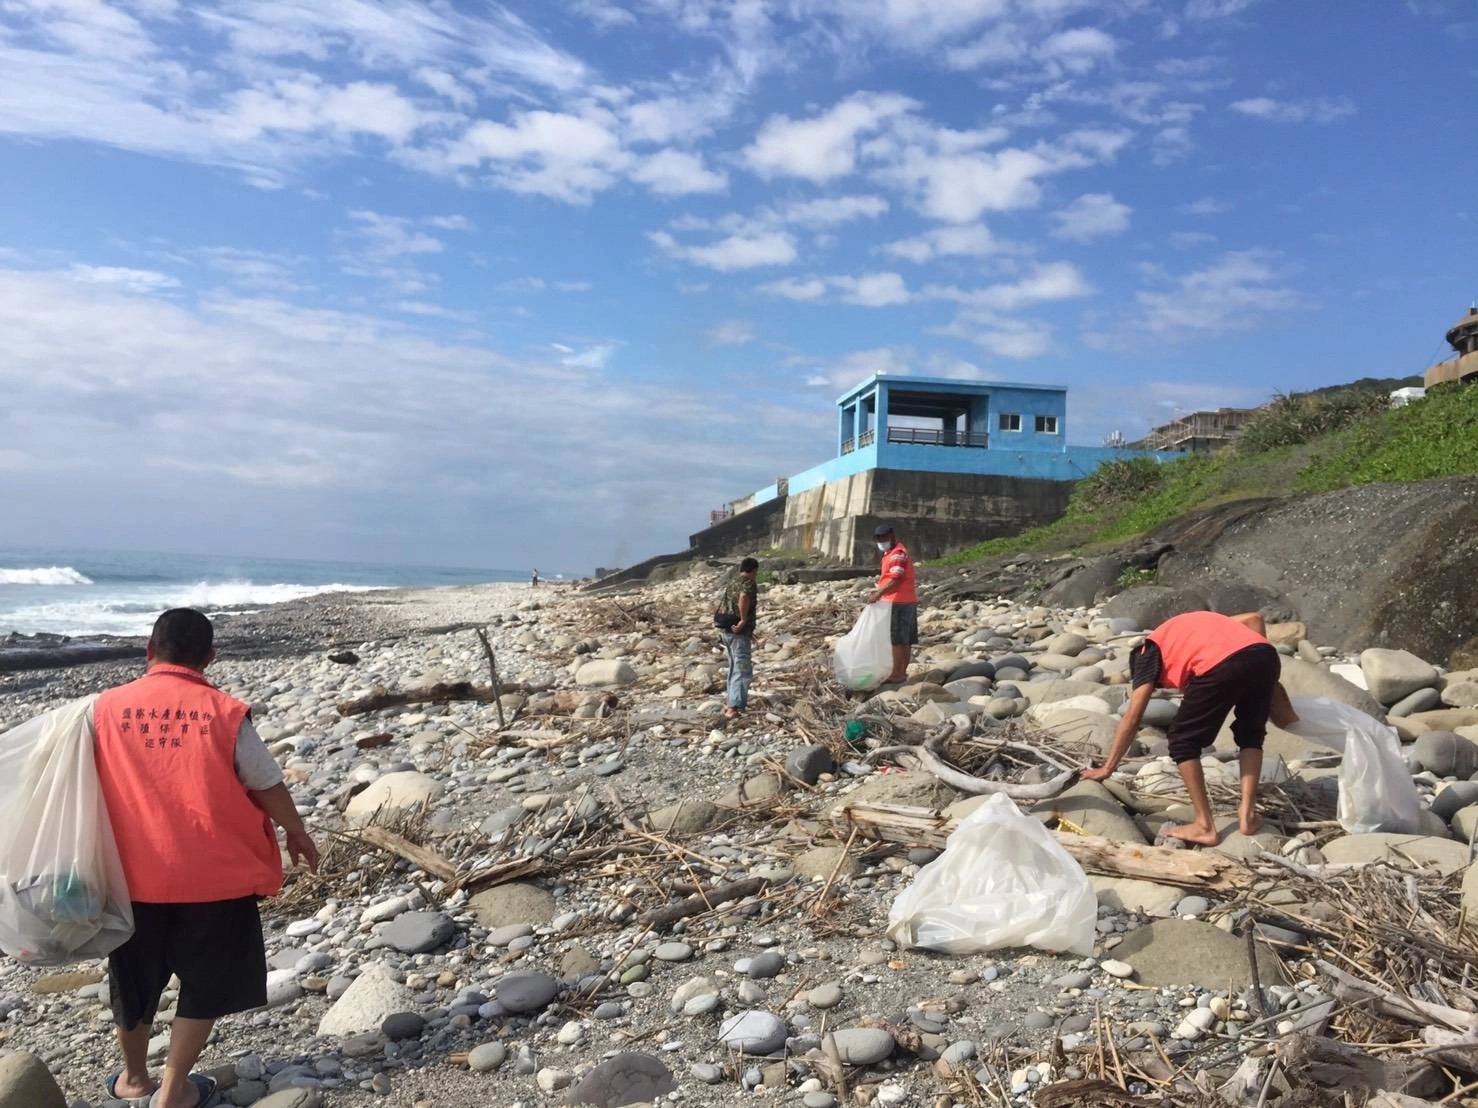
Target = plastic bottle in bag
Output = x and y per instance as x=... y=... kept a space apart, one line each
x=864 y=655
x=63 y=897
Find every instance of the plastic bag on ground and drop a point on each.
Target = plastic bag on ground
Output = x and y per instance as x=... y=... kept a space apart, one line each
x=1376 y=792
x=63 y=897
x=1003 y=881
x=864 y=655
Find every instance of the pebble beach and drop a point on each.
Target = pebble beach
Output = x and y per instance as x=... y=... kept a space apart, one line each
x=540 y=969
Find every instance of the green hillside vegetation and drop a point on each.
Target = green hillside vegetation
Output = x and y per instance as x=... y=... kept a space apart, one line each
x=1308 y=442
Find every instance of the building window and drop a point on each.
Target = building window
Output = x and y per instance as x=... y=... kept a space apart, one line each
x=1046 y=425
x=1010 y=421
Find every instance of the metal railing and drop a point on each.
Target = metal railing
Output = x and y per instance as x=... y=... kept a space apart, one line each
x=848 y=446
x=867 y=438
x=920 y=436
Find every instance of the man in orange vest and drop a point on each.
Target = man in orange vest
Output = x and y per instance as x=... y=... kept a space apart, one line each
x=896 y=584
x=192 y=795
x=1220 y=663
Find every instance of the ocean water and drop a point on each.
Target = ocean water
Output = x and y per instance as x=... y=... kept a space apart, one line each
x=76 y=592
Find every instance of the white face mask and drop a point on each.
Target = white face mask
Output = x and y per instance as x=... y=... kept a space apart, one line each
x=884 y=547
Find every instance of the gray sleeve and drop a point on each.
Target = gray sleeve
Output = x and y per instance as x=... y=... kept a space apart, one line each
x=255 y=766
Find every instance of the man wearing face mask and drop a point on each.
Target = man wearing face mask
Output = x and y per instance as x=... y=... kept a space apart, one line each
x=896 y=584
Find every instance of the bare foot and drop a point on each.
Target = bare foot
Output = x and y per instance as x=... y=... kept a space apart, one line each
x=1194 y=833
x=731 y=713
x=1251 y=825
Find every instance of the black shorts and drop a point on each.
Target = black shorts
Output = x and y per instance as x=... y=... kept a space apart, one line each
x=1244 y=681
x=215 y=949
x=905 y=624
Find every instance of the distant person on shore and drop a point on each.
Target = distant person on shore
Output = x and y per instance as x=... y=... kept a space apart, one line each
x=741 y=603
x=896 y=584
x=535 y=582
x=1220 y=662
x=192 y=793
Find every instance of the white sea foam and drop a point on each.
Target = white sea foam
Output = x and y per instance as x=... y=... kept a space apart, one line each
x=44 y=575
x=131 y=610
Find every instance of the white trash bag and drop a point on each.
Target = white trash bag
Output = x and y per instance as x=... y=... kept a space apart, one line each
x=864 y=655
x=1376 y=792
x=62 y=893
x=1003 y=881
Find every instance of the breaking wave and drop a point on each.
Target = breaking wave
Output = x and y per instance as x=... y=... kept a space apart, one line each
x=44 y=575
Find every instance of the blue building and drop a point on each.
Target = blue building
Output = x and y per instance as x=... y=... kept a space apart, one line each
x=951 y=462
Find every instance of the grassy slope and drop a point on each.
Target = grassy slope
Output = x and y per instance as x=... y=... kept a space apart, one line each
x=1437 y=437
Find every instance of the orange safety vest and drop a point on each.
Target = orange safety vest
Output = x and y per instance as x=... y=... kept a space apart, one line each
x=1191 y=644
x=186 y=827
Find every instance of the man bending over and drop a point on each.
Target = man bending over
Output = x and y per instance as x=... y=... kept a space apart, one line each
x=1220 y=663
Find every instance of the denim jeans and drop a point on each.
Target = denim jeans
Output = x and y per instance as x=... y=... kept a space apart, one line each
x=741 y=668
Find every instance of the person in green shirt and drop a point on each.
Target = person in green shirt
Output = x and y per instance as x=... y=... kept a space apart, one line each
x=741 y=600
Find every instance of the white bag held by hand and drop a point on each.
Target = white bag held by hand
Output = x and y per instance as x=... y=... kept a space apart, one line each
x=1376 y=792
x=62 y=893
x=864 y=655
x=1003 y=881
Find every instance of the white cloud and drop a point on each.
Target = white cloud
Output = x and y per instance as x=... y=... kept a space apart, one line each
x=678 y=173
x=450 y=222
x=827 y=211
x=605 y=14
x=562 y=155
x=389 y=237
x=962 y=240
x=1322 y=109
x=131 y=280
x=591 y=357
x=447 y=86
x=1231 y=294
x=1092 y=215
x=870 y=290
x=1206 y=206
x=1189 y=240
x=738 y=251
x=1079 y=50
x=1018 y=339
x=821 y=147
x=1048 y=282
x=1216 y=9
x=796 y=288
x=731 y=332
x=873 y=290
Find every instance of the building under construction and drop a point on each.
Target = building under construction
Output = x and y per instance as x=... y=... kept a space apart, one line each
x=1199 y=432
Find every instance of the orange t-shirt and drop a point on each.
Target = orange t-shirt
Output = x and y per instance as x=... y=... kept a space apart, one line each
x=898 y=566
x=1192 y=643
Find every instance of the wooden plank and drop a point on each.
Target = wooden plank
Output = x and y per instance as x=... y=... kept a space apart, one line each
x=430 y=861
x=1192 y=869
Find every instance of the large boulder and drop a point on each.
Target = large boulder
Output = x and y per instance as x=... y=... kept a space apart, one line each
x=514 y=903
x=913 y=790
x=686 y=817
x=1444 y=855
x=622 y=1080
x=1172 y=953
x=1446 y=754
x=1093 y=808
x=25 y=1082
x=1151 y=605
x=1393 y=674
x=370 y=998
x=1127 y=894
x=605 y=673
x=1303 y=679
x=1083 y=583
x=392 y=795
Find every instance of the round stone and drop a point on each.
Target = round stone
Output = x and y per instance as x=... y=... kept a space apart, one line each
x=768 y=964
x=863 y=1046
x=487 y=1057
x=673 y=952
x=825 y=996
x=522 y=993
x=753 y=1032
x=403 y=1025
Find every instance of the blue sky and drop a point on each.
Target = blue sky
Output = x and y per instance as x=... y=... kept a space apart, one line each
x=542 y=283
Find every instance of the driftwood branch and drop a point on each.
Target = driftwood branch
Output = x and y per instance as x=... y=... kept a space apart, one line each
x=1186 y=868
x=704 y=901
x=430 y=861
x=497 y=686
x=1407 y=1009
x=443 y=693
x=924 y=749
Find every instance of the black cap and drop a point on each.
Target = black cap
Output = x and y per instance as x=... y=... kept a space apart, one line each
x=881 y=530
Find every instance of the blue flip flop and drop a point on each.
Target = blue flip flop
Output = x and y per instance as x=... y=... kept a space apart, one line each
x=110 y=1085
x=205 y=1086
